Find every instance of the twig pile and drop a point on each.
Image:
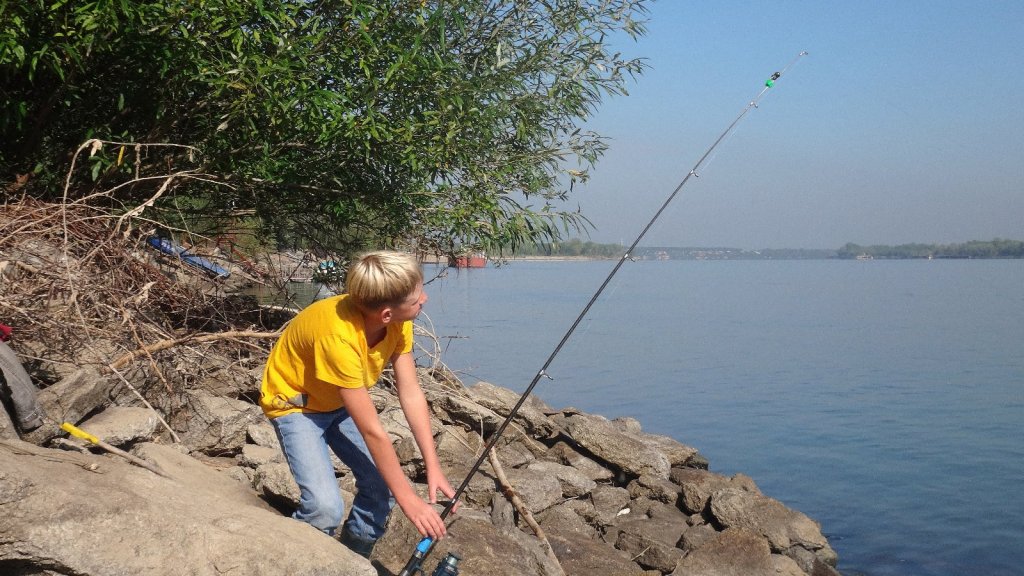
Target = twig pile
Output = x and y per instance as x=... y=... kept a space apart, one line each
x=82 y=288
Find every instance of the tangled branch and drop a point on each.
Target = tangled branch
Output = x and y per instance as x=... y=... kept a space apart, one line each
x=81 y=287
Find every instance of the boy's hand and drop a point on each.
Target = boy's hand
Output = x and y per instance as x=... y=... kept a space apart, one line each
x=437 y=482
x=423 y=516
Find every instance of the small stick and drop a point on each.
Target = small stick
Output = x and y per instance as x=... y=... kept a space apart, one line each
x=524 y=512
x=78 y=433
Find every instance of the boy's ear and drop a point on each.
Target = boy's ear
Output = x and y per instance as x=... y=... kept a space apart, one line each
x=385 y=314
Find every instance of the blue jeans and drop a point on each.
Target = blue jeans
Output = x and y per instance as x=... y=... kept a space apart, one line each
x=304 y=440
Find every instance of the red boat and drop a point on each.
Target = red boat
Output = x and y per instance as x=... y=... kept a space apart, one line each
x=468 y=261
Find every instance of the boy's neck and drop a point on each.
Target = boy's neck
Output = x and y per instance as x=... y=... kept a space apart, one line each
x=376 y=328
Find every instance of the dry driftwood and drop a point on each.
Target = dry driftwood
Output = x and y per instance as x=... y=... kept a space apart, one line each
x=524 y=512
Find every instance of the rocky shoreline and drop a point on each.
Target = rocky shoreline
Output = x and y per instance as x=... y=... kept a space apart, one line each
x=159 y=361
x=610 y=499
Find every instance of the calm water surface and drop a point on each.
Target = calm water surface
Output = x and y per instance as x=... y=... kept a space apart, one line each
x=883 y=399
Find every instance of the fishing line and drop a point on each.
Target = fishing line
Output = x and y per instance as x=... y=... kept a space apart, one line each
x=710 y=160
x=427 y=544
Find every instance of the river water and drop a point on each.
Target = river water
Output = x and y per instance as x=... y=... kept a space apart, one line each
x=884 y=399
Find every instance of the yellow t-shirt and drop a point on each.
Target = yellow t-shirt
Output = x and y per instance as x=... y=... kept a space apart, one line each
x=324 y=348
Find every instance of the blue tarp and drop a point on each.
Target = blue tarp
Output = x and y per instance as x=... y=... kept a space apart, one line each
x=170 y=248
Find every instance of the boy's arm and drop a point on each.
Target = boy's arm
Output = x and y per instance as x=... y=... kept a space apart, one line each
x=360 y=407
x=414 y=406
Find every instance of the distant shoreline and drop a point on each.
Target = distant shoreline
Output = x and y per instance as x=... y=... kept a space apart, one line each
x=581 y=258
x=976 y=249
x=442 y=261
x=733 y=257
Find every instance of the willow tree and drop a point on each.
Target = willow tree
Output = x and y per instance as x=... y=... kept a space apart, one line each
x=434 y=123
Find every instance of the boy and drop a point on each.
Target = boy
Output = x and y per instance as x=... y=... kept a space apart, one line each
x=316 y=393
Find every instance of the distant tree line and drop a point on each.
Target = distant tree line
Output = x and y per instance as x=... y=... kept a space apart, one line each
x=573 y=247
x=722 y=253
x=997 y=248
x=586 y=249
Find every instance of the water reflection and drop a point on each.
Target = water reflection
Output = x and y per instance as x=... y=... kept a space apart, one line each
x=295 y=295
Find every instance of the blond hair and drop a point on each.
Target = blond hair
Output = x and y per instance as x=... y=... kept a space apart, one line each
x=382 y=278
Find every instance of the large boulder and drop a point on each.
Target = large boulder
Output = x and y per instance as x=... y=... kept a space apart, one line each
x=93 y=515
x=651 y=542
x=217 y=424
x=621 y=449
x=610 y=502
x=582 y=556
x=565 y=454
x=457 y=450
x=654 y=488
x=531 y=415
x=482 y=547
x=573 y=482
x=697 y=486
x=261 y=433
x=82 y=392
x=734 y=552
x=678 y=454
x=455 y=407
x=782 y=527
x=563 y=518
x=538 y=489
x=121 y=425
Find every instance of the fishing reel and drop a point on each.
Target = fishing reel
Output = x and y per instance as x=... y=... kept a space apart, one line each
x=449 y=566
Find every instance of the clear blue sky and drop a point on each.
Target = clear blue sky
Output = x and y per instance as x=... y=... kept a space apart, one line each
x=905 y=123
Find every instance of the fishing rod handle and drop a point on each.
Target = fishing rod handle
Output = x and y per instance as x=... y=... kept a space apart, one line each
x=412 y=567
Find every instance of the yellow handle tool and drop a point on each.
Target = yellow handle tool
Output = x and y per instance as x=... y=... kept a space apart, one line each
x=79 y=433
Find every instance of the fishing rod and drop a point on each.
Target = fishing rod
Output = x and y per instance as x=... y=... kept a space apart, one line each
x=412 y=567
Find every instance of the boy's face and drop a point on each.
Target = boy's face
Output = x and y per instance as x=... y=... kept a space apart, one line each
x=410 y=308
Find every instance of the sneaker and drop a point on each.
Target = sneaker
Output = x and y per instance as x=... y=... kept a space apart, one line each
x=357 y=544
